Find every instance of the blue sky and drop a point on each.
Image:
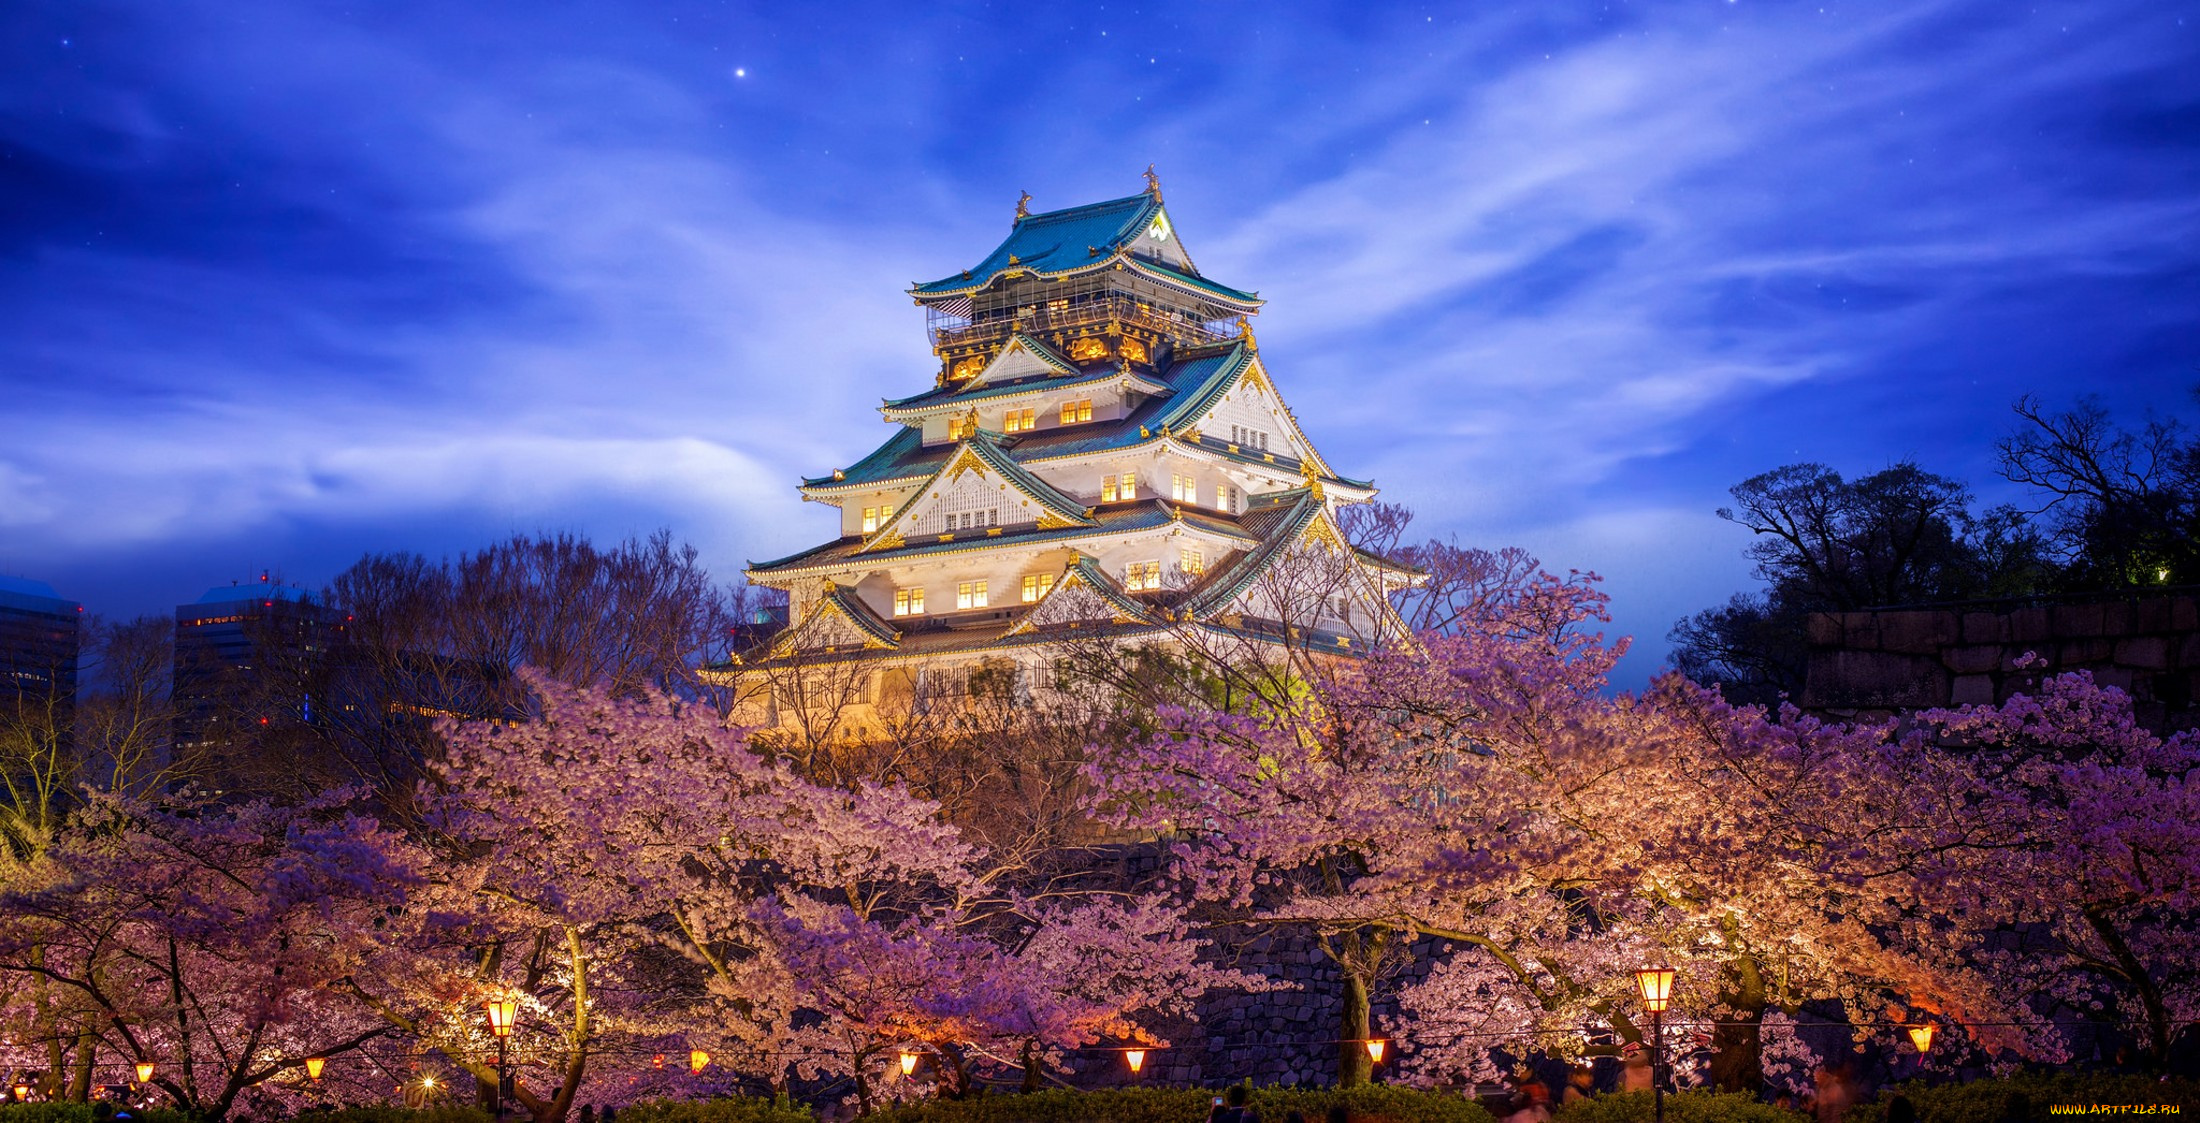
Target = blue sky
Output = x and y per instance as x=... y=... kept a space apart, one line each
x=284 y=283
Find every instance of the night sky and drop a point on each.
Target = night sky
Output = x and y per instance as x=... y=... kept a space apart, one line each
x=282 y=283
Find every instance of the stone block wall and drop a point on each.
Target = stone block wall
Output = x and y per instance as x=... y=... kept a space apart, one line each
x=1886 y=660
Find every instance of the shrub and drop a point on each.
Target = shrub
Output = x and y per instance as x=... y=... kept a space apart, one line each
x=81 y=1113
x=743 y=1109
x=1692 y=1106
x=1371 y=1103
x=1989 y=1101
x=396 y=1113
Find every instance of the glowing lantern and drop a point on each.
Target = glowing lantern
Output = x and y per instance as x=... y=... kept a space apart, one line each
x=698 y=1060
x=1922 y=1037
x=313 y=1066
x=428 y=1082
x=1375 y=1049
x=503 y=1012
x=1137 y=1059
x=660 y=1061
x=22 y=1091
x=1656 y=985
x=144 y=1071
x=908 y=1062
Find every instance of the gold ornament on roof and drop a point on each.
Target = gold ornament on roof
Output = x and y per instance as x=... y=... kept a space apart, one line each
x=1153 y=184
x=1134 y=351
x=1023 y=206
x=969 y=366
x=1088 y=348
x=1245 y=332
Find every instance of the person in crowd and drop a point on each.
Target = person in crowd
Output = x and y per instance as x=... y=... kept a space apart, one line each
x=1580 y=1085
x=1234 y=1107
x=1635 y=1073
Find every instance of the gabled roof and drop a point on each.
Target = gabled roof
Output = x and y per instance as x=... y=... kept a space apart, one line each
x=1054 y=242
x=1277 y=520
x=840 y=602
x=1046 y=356
x=905 y=459
x=1085 y=573
x=980 y=451
x=957 y=396
x=1145 y=515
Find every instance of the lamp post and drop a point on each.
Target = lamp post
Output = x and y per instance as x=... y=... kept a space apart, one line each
x=22 y=1091
x=1136 y=1058
x=908 y=1063
x=1922 y=1037
x=1656 y=987
x=503 y=1012
x=144 y=1071
x=313 y=1067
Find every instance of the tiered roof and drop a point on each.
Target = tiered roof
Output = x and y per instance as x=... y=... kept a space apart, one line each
x=1080 y=240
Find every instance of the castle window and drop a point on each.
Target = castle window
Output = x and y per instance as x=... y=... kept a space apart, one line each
x=970 y=594
x=1130 y=485
x=908 y=602
x=1183 y=489
x=1226 y=498
x=870 y=519
x=1194 y=560
x=1021 y=421
x=955 y=428
x=1107 y=489
x=1037 y=585
x=1142 y=575
x=1074 y=412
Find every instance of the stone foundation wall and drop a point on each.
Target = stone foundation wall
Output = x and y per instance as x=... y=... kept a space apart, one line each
x=1888 y=660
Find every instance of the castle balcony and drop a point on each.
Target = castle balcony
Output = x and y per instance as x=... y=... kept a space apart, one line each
x=1066 y=313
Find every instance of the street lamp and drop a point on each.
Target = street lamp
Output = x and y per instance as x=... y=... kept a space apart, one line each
x=1375 y=1047
x=1656 y=987
x=503 y=1015
x=1136 y=1058
x=144 y=1071
x=1922 y=1037
x=908 y=1063
x=22 y=1091
x=313 y=1067
x=698 y=1060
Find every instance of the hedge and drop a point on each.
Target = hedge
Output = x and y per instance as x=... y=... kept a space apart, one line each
x=1691 y=1106
x=1989 y=1101
x=1369 y=1103
x=745 y=1109
x=83 y=1113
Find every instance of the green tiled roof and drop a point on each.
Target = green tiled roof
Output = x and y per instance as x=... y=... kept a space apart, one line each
x=1057 y=241
x=1192 y=280
x=1143 y=516
x=989 y=453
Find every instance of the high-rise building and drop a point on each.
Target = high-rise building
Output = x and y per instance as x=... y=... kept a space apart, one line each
x=1103 y=452
x=39 y=647
x=247 y=655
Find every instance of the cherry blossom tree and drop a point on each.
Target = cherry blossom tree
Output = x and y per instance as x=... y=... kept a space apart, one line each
x=2095 y=850
x=211 y=941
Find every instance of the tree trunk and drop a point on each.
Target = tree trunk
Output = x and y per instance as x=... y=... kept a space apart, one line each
x=80 y=1089
x=1032 y=1070
x=1353 y=1065
x=1737 y=1049
x=2135 y=973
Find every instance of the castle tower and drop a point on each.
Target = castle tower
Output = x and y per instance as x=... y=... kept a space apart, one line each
x=1102 y=453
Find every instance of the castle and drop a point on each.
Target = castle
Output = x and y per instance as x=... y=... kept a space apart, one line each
x=1103 y=455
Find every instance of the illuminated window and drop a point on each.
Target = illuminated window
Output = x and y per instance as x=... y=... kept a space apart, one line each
x=1087 y=349
x=1226 y=498
x=1130 y=485
x=872 y=516
x=1134 y=350
x=970 y=594
x=1142 y=575
x=908 y=602
x=1195 y=560
x=1183 y=489
x=1107 y=489
x=1037 y=585
x=1074 y=412
x=954 y=428
x=1021 y=421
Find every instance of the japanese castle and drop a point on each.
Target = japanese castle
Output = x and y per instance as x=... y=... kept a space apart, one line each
x=1102 y=453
